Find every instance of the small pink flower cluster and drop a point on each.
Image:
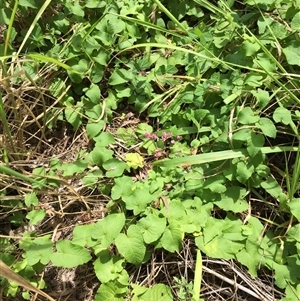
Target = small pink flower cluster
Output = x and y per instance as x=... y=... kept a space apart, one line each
x=164 y=137
x=151 y=136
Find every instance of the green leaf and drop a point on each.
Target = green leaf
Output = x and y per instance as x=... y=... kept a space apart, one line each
x=134 y=160
x=215 y=184
x=100 y=154
x=292 y=292
x=108 y=267
x=93 y=93
x=246 y=116
x=127 y=135
x=158 y=292
x=272 y=187
x=35 y=216
x=77 y=71
x=294 y=233
x=254 y=144
x=82 y=235
x=74 y=116
x=69 y=255
x=249 y=48
x=131 y=246
x=282 y=115
x=267 y=127
x=120 y=76
x=294 y=206
x=152 y=227
x=244 y=171
x=70 y=169
x=292 y=53
x=107 y=229
x=40 y=250
x=123 y=187
x=31 y=199
x=138 y=200
x=172 y=237
x=114 y=168
x=27 y=3
x=104 y=139
x=76 y=9
x=94 y=128
x=109 y=292
x=295 y=23
x=221 y=238
x=92 y=178
x=233 y=199
x=262 y=97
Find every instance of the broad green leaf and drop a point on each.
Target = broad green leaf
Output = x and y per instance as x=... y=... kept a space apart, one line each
x=244 y=171
x=215 y=184
x=295 y=23
x=134 y=160
x=138 y=200
x=123 y=187
x=82 y=235
x=128 y=136
x=294 y=233
x=104 y=139
x=100 y=154
x=40 y=250
x=292 y=293
x=283 y=272
x=27 y=3
x=107 y=229
x=69 y=255
x=158 y=292
x=246 y=116
x=35 y=216
x=120 y=76
x=31 y=199
x=108 y=267
x=77 y=71
x=74 y=115
x=292 y=53
x=249 y=47
x=255 y=143
x=152 y=227
x=131 y=246
x=94 y=128
x=75 y=8
x=272 y=187
x=220 y=247
x=267 y=127
x=69 y=169
x=250 y=257
x=172 y=237
x=282 y=115
x=233 y=199
x=294 y=206
x=262 y=97
x=110 y=292
x=114 y=168
x=92 y=178
x=95 y=3
x=253 y=80
x=93 y=93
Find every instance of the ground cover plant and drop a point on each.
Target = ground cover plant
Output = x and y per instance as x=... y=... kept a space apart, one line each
x=150 y=150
